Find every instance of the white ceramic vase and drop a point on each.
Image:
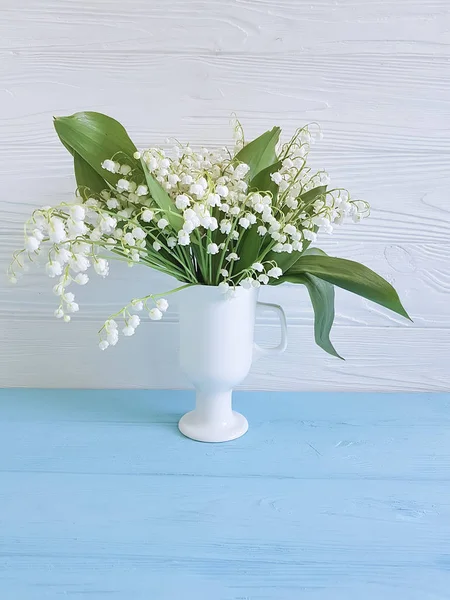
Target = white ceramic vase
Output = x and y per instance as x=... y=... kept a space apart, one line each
x=216 y=353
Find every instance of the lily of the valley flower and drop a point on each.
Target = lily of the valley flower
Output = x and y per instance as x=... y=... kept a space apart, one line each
x=199 y=230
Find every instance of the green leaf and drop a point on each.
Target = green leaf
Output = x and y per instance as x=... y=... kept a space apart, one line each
x=251 y=241
x=351 y=276
x=283 y=259
x=249 y=248
x=162 y=199
x=321 y=294
x=96 y=137
x=260 y=153
x=262 y=181
x=88 y=180
x=309 y=196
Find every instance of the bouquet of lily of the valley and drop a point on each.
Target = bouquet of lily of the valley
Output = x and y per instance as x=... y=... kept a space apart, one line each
x=245 y=216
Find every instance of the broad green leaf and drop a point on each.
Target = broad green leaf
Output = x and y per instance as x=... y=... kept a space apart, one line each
x=262 y=181
x=88 y=180
x=93 y=137
x=321 y=294
x=260 y=153
x=162 y=199
x=251 y=241
x=96 y=137
x=311 y=195
x=249 y=248
x=283 y=259
x=351 y=276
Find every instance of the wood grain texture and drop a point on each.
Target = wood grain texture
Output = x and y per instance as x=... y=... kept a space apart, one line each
x=374 y=74
x=328 y=496
x=69 y=357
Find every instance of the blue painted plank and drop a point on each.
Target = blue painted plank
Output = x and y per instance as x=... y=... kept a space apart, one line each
x=329 y=496
x=320 y=435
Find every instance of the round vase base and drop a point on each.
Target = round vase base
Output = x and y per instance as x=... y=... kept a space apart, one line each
x=194 y=426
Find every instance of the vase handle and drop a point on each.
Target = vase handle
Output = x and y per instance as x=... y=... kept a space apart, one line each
x=259 y=350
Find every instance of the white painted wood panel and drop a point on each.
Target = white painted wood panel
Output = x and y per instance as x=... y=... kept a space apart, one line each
x=46 y=354
x=374 y=74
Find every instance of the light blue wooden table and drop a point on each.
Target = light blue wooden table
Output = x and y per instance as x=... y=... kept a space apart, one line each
x=328 y=497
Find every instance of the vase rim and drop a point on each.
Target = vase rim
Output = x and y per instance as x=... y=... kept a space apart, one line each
x=215 y=291
x=216 y=287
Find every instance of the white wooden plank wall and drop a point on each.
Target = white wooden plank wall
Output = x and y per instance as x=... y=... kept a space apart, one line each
x=376 y=75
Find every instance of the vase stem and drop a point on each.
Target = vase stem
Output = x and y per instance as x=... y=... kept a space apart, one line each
x=213 y=419
x=214 y=407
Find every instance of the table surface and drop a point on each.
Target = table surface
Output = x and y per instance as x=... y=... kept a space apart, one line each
x=327 y=497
